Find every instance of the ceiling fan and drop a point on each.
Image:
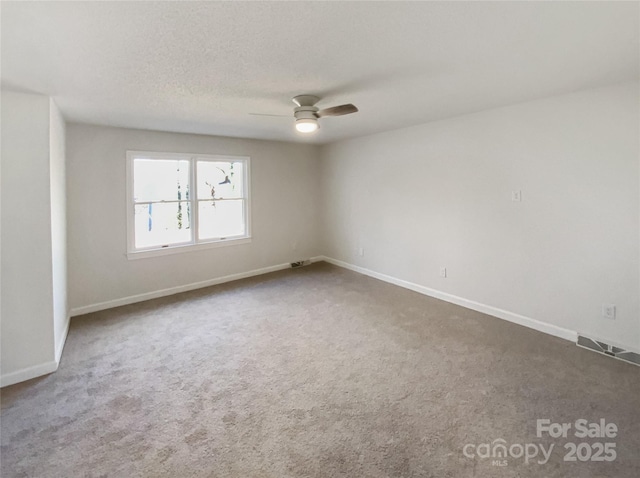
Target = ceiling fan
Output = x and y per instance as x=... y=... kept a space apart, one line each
x=307 y=114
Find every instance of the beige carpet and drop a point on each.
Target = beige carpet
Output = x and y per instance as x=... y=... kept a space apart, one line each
x=313 y=372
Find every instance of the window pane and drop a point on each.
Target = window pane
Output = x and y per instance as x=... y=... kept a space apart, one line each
x=160 y=224
x=221 y=219
x=220 y=179
x=160 y=179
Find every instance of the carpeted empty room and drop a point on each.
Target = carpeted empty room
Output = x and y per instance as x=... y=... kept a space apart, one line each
x=274 y=239
x=315 y=372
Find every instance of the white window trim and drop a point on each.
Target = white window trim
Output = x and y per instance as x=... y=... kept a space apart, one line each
x=192 y=245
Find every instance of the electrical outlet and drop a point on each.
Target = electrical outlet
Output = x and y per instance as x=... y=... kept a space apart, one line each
x=443 y=272
x=516 y=196
x=608 y=311
x=361 y=251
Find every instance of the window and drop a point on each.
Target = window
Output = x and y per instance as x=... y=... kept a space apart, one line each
x=179 y=202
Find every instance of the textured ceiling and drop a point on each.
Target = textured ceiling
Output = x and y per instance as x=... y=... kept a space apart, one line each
x=202 y=67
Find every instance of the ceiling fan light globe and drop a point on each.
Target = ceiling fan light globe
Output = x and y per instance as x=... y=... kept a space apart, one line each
x=307 y=125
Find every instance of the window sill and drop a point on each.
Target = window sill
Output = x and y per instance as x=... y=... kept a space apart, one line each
x=179 y=249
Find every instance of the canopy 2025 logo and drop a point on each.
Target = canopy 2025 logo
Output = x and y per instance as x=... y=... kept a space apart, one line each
x=499 y=451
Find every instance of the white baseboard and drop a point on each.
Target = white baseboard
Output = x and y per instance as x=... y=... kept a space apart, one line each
x=87 y=309
x=62 y=340
x=28 y=373
x=40 y=369
x=469 y=304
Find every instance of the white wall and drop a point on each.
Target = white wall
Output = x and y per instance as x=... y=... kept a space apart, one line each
x=439 y=194
x=57 y=168
x=26 y=256
x=284 y=195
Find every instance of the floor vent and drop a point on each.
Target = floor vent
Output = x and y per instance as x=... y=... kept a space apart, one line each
x=300 y=263
x=610 y=350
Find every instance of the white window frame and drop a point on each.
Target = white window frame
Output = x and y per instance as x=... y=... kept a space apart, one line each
x=194 y=244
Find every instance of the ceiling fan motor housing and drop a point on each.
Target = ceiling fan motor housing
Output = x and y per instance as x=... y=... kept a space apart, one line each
x=305 y=112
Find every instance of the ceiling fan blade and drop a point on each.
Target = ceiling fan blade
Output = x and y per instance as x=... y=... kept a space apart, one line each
x=265 y=114
x=337 y=111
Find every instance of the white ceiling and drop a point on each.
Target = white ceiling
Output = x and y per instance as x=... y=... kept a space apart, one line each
x=203 y=67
